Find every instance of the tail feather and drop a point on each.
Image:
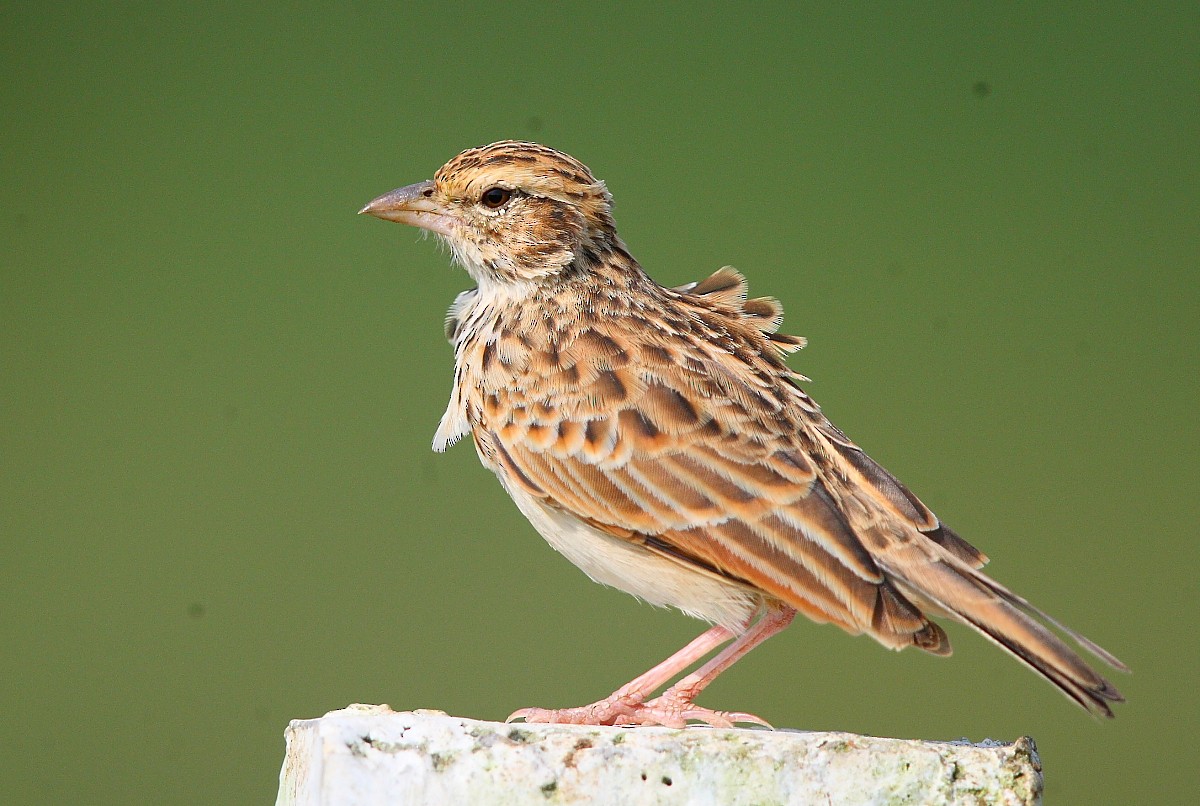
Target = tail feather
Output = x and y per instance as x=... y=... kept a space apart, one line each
x=1009 y=621
x=1025 y=605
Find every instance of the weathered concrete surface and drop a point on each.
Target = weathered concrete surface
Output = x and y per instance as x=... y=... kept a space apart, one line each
x=369 y=754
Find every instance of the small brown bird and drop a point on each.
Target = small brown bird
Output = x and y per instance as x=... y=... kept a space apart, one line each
x=657 y=438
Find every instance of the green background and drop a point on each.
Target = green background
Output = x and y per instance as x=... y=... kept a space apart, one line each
x=218 y=387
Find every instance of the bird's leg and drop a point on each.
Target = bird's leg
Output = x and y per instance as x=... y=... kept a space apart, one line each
x=627 y=705
x=621 y=706
x=677 y=704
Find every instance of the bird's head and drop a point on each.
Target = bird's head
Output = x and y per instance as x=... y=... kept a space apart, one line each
x=511 y=212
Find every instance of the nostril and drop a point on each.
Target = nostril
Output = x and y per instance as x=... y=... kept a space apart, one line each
x=427 y=192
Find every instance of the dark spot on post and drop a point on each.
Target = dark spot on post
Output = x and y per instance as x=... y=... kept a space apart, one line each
x=549 y=789
x=582 y=744
x=517 y=735
x=666 y=780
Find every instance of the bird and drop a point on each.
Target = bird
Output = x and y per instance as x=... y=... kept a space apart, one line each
x=657 y=438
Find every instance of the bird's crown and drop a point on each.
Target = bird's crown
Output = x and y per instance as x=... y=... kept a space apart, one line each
x=528 y=167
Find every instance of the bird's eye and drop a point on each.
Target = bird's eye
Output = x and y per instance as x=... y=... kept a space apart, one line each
x=495 y=198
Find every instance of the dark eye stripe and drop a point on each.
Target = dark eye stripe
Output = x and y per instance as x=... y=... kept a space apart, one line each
x=495 y=198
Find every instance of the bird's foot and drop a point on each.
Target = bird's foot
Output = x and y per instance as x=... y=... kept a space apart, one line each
x=615 y=709
x=672 y=710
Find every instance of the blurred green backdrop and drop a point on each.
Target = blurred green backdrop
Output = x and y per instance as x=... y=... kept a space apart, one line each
x=218 y=506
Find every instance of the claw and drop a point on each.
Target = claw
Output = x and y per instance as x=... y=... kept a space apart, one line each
x=740 y=716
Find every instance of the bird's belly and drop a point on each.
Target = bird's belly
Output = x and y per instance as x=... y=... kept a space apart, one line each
x=635 y=569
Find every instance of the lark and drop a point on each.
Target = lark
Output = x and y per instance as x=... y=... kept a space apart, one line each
x=658 y=439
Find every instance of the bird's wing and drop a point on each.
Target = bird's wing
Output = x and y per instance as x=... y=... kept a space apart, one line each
x=695 y=442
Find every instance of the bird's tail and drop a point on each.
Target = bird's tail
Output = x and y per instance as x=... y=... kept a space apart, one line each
x=946 y=583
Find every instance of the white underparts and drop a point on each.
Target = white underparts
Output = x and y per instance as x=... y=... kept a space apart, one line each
x=634 y=569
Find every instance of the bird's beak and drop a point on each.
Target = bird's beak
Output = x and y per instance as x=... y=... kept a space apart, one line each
x=413 y=205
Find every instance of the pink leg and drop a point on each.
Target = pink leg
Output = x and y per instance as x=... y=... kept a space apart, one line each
x=627 y=705
x=620 y=705
x=677 y=704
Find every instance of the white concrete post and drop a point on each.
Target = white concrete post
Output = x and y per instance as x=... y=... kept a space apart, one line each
x=369 y=754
